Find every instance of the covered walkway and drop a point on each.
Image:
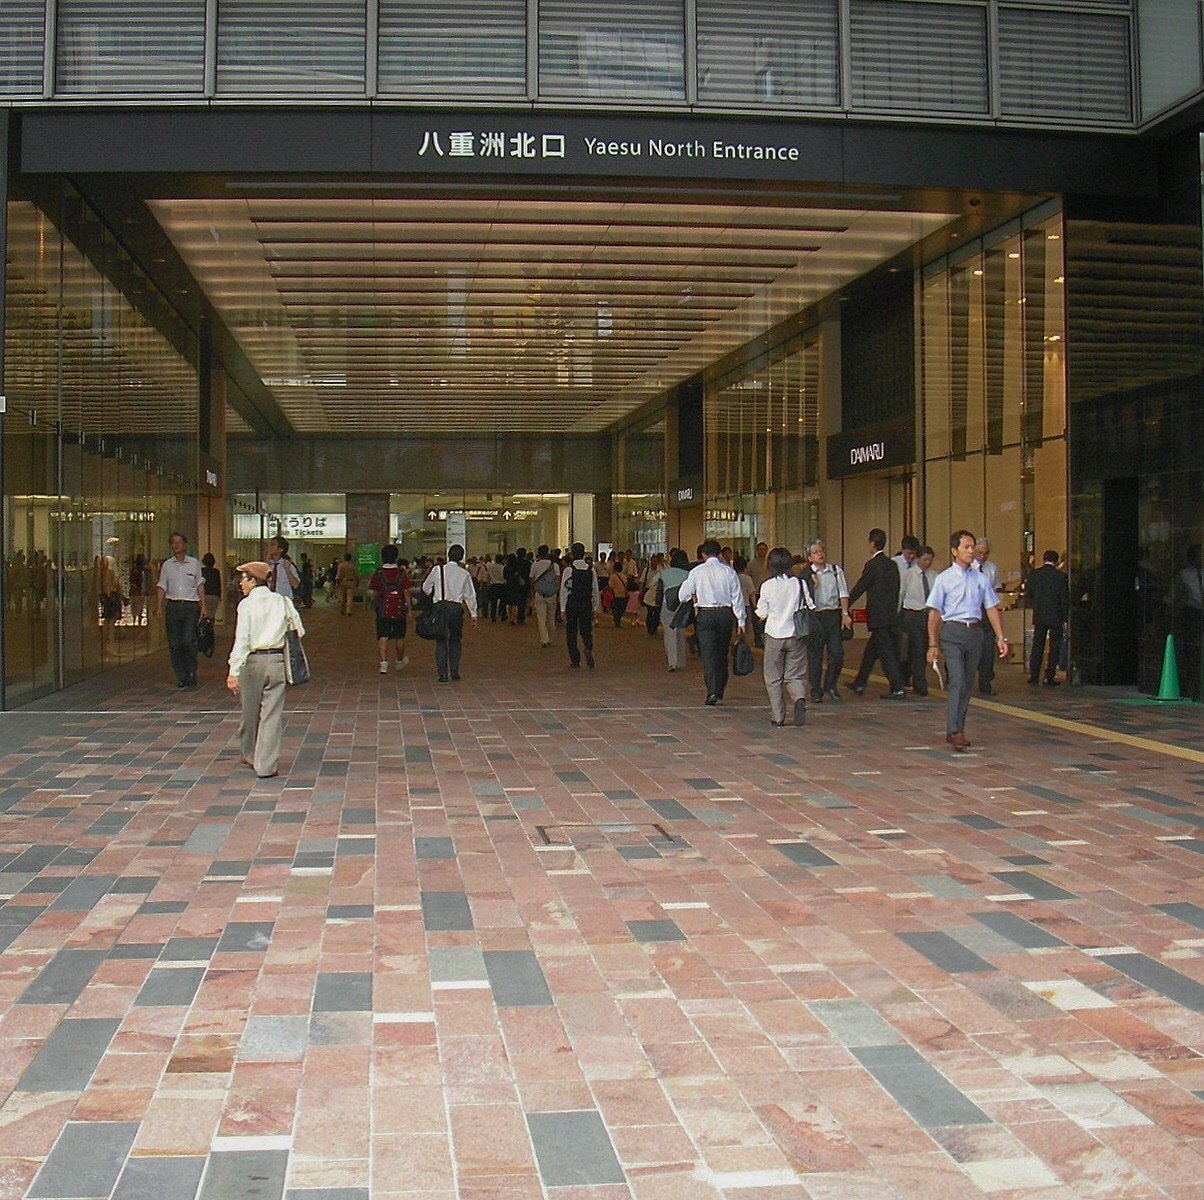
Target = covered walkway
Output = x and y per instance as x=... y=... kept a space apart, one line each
x=570 y=935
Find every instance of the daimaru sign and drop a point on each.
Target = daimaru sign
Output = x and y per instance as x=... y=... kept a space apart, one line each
x=872 y=448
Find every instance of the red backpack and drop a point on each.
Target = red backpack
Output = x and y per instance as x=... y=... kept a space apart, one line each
x=393 y=602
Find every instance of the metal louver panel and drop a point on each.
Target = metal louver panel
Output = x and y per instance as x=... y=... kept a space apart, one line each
x=268 y=47
x=117 y=47
x=918 y=57
x=22 y=28
x=612 y=48
x=768 y=52
x=1070 y=65
x=453 y=46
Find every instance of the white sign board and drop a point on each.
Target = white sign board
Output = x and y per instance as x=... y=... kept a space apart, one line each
x=326 y=527
x=457 y=529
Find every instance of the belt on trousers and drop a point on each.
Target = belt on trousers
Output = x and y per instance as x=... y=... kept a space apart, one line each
x=967 y=624
x=713 y=608
x=270 y=650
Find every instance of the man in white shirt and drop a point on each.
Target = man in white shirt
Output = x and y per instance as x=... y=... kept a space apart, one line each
x=451 y=582
x=914 y=586
x=986 y=664
x=283 y=577
x=719 y=610
x=830 y=589
x=181 y=591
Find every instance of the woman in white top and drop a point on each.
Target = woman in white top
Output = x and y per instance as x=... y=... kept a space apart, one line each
x=257 y=666
x=782 y=594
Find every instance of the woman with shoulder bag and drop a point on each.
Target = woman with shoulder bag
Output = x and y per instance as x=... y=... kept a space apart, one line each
x=257 y=666
x=785 y=605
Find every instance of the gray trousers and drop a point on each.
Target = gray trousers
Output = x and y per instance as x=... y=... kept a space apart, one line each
x=962 y=648
x=261 y=689
x=785 y=668
x=675 y=644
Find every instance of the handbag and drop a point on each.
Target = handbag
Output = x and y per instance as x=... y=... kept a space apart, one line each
x=434 y=624
x=742 y=658
x=846 y=633
x=204 y=637
x=804 y=621
x=296 y=664
x=683 y=614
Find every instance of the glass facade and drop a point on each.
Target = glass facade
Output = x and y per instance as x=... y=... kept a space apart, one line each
x=993 y=400
x=762 y=430
x=100 y=451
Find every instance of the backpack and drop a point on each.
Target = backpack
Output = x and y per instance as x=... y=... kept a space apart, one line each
x=672 y=598
x=581 y=590
x=546 y=584
x=393 y=603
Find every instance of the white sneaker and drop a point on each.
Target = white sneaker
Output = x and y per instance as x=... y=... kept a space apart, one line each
x=405 y=662
x=384 y=668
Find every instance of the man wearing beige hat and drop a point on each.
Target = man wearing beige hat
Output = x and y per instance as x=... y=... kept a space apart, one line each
x=257 y=666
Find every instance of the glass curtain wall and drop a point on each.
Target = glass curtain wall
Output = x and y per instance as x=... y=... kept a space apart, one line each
x=993 y=324
x=99 y=452
x=762 y=431
x=640 y=518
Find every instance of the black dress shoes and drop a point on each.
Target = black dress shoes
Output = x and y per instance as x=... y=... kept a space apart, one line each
x=712 y=700
x=858 y=689
x=800 y=712
x=896 y=695
x=817 y=697
x=1053 y=683
x=442 y=678
x=988 y=691
x=833 y=694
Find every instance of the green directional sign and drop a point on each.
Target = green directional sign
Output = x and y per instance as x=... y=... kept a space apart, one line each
x=367 y=558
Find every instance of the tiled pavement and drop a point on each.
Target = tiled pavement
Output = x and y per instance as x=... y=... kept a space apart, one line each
x=552 y=933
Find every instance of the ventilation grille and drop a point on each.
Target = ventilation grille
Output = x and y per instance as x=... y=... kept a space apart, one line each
x=120 y=47
x=465 y=46
x=626 y=48
x=918 y=57
x=769 y=52
x=291 y=47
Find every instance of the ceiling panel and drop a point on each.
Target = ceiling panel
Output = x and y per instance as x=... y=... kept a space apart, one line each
x=403 y=316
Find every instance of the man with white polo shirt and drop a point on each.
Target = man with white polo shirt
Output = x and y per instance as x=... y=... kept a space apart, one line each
x=181 y=592
x=719 y=610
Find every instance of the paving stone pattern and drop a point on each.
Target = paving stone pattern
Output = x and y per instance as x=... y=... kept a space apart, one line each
x=562 y=935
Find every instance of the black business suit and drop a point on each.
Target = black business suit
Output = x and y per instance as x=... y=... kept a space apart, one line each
x=879 y=584
x=1049 y=598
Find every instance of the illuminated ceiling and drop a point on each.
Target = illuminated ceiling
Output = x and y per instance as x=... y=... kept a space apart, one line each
x=453 y=317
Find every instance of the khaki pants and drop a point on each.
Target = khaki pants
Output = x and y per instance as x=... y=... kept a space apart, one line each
x=545 y=615
x=261 y=690
x=347 y=592
x=785 y=667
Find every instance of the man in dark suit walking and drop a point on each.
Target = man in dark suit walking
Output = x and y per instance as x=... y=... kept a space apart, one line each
x=879 y=583
x=1049 y=597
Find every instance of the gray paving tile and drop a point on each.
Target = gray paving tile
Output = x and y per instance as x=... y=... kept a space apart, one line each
x=359 y=816
x=949 y=955
x=325 y=1194
x=63 y=978
x=977 y=821
x=246 y=937
x=348 y=912
x=33 y=860
x=1189 y=914
x=671 y=810
x=1157 y=797
x=69 y=1058
x=160 y=1179
x=924 y=1092
x=167 y=987
x=804 y=854
x=189 y=949
x=356 y=847
x=656 y=931
x=163 y=907
x=444 y=912
x=573 y=1149
x=274 y=1039
x=343 y=991
x=434 y=848
x=206 y=838
x=1033 y=885
x=516 y=979
x=86 y=1159
x=1159 y=978
x=135 y=950
x=1025 y=860
x=249 y=1174
x=854 y=1022
x=135 y=885
x=229 y=868
x=456 y=964
x=83 y=893
x=1044 y=793
x=635 y=853
x=1017 y=929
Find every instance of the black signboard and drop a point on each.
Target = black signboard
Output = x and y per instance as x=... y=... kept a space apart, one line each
x=685 y=492
x=872 y=448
